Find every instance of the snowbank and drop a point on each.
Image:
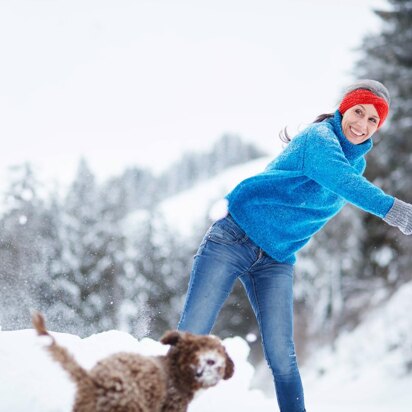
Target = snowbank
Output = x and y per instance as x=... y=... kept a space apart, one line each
x=31 y=381
x=368 y=370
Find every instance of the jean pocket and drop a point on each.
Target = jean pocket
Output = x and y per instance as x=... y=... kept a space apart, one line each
x=225 y=231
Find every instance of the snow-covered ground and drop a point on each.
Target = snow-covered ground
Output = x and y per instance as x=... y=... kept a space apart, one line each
x=366 y=372
x=370 y=368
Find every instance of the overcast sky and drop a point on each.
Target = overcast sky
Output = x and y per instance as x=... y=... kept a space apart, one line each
x=125 y=82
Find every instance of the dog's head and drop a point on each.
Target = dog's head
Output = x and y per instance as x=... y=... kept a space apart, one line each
x=198 y=361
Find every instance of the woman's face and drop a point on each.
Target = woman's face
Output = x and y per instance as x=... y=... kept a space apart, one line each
x=360 y=122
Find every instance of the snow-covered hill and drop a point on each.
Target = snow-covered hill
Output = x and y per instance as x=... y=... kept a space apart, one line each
x=366 y=372
x=184 y=211
x=187 y=212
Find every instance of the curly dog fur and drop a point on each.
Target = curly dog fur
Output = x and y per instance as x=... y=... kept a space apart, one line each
x=128 y=382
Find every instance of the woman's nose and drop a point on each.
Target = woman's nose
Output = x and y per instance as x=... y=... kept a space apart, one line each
x=362 y=124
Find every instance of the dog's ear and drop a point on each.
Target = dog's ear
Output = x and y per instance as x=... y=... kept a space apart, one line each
x=230 y=367
x=171 y=337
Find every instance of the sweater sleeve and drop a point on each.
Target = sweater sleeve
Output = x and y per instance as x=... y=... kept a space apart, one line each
x=325 y=163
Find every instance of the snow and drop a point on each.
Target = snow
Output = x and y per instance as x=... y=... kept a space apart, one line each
x=366 y=371
x=372 y=365
x=26 y=364
x=184 y=211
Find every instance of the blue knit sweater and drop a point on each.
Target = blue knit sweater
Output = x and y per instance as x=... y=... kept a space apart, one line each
x=319 y=171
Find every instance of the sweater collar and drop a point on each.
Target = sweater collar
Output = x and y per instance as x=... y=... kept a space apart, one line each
x=352 y=151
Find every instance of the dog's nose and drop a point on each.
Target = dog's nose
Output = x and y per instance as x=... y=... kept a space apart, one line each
x=210 y=362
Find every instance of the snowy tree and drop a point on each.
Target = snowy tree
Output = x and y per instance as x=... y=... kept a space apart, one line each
x=140 y=188
x=358 y=260
x=326 y=279
x=25 y=246
x=157 y=284
x=231 y=150
x=387 y=57
x=86 y=279
x=193 y=167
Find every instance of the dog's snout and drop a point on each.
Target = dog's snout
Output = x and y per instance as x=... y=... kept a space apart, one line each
x=210 y=362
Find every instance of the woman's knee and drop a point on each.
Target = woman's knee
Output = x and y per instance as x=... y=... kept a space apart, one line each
x=282 y=359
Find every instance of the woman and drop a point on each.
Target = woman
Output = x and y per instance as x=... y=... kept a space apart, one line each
x=274 y=214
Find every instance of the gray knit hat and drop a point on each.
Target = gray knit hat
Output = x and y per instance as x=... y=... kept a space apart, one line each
x=372 y=85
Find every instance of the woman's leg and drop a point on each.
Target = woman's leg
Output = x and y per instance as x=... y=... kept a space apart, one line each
x=269 y=286
x=222 y=256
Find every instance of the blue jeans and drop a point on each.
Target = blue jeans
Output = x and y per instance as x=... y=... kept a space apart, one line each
x=226 y=254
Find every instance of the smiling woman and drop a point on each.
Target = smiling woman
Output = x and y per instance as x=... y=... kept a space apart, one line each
x=273 y=214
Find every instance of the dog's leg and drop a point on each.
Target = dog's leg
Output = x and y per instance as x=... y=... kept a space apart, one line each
x=78 y=374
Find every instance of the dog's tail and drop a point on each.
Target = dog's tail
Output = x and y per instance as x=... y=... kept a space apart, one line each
x=61 y=354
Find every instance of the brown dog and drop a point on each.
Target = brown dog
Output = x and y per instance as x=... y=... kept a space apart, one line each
x=128 y=382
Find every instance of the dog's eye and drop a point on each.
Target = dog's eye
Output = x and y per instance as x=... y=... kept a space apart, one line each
x=210 y=362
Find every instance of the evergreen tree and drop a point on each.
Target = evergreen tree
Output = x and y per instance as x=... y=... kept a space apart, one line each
x=86 y=280
x=139 y=187
x=231 y=150
x=160 y=271
x=357 y=260
x=387 y=57
x=26 y=236
x=327 y=282
x=228 y=151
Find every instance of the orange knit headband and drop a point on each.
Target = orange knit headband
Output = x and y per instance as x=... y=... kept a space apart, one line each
x=363 y=96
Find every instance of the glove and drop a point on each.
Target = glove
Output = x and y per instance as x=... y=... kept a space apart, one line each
x=400 y=215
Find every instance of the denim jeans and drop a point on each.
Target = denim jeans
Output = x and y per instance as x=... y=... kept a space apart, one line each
x=226 y=254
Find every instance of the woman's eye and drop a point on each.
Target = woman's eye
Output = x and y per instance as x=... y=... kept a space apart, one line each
x=373 y=120
x=358 y=111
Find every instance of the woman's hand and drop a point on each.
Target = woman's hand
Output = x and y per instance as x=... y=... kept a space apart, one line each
x=400 y=215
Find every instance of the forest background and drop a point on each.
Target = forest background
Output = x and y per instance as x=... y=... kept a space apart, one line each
x=100 y=255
